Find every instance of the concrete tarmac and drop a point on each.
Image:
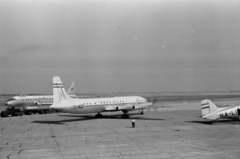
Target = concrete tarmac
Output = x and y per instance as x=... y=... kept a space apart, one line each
x=175 y=131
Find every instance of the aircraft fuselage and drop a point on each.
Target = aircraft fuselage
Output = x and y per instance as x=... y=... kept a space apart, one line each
x=228 y=112
x=97 y=105
x=21 y=101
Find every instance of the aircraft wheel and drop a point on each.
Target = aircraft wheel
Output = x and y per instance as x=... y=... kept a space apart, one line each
x=125 y=116
x=98 y=115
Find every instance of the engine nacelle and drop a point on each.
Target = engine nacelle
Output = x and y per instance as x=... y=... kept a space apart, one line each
x=31 y=108
x=126 y=107
x=143 y=105
x=36 y=107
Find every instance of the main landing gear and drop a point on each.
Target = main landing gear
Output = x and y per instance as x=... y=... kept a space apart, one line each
x=98 y=115
x=125 y=115
x=238 y=110
x=142 y=112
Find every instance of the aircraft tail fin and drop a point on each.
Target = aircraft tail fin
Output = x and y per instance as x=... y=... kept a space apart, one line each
x=59 y=93
x=208 y=107
x=71 y=91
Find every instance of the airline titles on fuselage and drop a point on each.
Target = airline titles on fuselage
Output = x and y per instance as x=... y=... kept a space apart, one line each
x=228 y=114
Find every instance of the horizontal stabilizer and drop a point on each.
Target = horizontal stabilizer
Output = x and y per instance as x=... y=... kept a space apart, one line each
x=71 y=91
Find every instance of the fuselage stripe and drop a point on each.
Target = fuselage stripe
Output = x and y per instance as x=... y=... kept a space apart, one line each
x=205 y=104
x=204 y=107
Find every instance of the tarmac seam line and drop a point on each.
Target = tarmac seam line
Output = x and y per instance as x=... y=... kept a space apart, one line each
x=54 y=138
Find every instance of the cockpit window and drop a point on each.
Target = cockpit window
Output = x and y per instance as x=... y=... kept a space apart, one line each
x=10 y=99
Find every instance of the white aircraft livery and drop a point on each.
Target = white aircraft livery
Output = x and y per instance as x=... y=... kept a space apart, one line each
x=21 y=101
x=63 y=103
x=212 y=112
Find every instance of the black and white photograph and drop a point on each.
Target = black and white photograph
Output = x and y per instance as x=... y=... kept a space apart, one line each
x=119 y=79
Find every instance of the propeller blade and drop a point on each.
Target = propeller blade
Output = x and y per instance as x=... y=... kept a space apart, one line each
x=153 y=100
x=153 y=107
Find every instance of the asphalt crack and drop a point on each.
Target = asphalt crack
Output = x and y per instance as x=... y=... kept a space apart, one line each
x=9 y=156
x=54 y=137
x=20 y=151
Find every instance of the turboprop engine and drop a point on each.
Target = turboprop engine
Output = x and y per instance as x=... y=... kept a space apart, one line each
x=125 y=107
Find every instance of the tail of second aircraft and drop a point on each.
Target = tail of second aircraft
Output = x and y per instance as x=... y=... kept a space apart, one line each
x=59 y=93
x=208 y=107
x=71 y=91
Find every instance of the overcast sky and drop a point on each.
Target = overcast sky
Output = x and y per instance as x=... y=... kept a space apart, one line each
x=120 y=46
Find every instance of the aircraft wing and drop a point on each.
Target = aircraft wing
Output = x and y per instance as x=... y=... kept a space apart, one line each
x=43 y=103
x=120 y=107
x=46 y=103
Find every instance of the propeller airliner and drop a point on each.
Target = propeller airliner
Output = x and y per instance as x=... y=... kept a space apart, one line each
x=211 y=112
x=64 y=103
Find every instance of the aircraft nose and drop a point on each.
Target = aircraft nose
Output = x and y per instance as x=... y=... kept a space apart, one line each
x=10 y=103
